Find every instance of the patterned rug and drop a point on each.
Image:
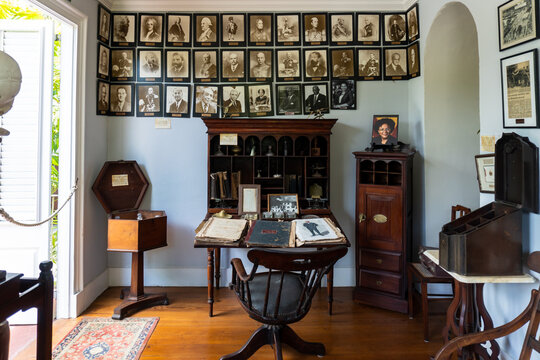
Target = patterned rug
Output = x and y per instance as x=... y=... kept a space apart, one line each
x=105 y=338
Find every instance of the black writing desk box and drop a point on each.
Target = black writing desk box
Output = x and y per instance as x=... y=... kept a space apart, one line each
x=488 y=241
x=120 y=188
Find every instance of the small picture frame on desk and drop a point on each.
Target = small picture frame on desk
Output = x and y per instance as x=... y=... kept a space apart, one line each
x=249 y=199
x=485 y=171
x=283 y=203
x=385 y=130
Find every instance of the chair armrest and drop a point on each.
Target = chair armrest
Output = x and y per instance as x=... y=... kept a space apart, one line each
x=240 y=270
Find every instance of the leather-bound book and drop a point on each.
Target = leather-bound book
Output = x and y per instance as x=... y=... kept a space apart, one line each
x=235 y=181
x=226 y=185
x=214 y=186
x=271 y=234
x=221 y=185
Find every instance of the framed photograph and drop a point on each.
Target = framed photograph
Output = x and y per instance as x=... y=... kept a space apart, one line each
x=124 y=29
x=395 y=29
x=342 y=29
x=315 y=64
x=395 y=60
x=343 y=64
x=413 y=60
x=205 y=100
x=151 y=29
x=150 y=65
x=102 y=103
x=287 y=29
x=104 y=24
x=288 y=65
x=260 y=29
x=485 y=172
x=122 y=61
x=369 y=28
x=413 y=25
x=369 y=64
x=177 y=65
x=315 y=29
x=233 y=65
x=518 y=22
x=283 y=203
x=178 y=29
x=205 y=27
x=205 y=65
x=121 y=96
x=289 y=99
x=177 y=101
x=233 y=100
x=344 y=94
x=233 y=29
x=520 y=90
x=260 y=100
x=316 y=98
x=104 y=53
x=260 y=65
x=149 y=100
x=249 y=199
x=385 y=130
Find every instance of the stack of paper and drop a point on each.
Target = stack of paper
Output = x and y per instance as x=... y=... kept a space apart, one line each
x=318 y=230
x=221 y=230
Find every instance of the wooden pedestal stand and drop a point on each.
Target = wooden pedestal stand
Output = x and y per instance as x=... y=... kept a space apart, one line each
x=134 y=297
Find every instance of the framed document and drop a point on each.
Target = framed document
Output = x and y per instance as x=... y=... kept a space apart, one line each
x=518 y=23
x=485 y=170
x=249 y=199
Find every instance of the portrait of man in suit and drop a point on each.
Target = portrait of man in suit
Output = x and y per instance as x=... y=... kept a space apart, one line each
x=233 y=64
x=121 y=98
x=393 y=62
x=206 y=102
x=177 y=64
x=290 y=101
x=103 y=100
x=122 y=63
x=233 y=97
x=150 y=63
x=315 y=98
x=177 y=99
x=414 y=65
x=205 y=64
x=104 y=23
x=316 y=63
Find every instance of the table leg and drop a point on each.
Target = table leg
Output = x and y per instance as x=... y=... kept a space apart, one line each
x=4 y=340
x=450 y=329
x=330 y=289
x=217 y=261
x=210 y=268
x=45 y=313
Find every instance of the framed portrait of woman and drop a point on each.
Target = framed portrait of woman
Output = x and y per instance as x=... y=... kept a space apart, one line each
x=205 y=30
x=343 y=95
x=151 y=29
x=124 y=29
x=260 y=100
x=178 y=29
x=385 y=130
x=260 y=29
x=104 y=24
x=288 y=29
x=233 y=29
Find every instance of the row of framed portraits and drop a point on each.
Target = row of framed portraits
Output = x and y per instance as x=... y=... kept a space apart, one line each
x=257 y=65
x=225 y=100
x=257 y=29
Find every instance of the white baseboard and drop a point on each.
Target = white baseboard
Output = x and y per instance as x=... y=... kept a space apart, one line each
x=90 y=292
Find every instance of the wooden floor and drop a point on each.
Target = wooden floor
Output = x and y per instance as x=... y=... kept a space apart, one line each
x=186 y=332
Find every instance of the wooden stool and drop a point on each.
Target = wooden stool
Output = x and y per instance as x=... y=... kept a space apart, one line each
x=424 y=277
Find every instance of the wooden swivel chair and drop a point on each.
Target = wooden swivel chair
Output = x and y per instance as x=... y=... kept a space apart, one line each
x=280 y=296
x=530 y=315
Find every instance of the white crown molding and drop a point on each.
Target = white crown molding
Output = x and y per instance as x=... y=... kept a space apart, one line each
x=107 y=3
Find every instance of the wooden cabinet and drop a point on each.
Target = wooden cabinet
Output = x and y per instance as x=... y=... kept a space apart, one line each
x=383 y=227
x=281 y=155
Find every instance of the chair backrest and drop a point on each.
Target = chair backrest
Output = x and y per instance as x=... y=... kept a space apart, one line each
x=458 y=211
x=531 y=340
x=284 y=293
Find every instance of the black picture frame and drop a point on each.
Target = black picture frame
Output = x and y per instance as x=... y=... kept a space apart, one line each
x=485 y=172
x=228 y=56
x=289 y=99
x=316 y=65
x=385 y=126
x=288 y=64
x=395 y=29
x=149 y=65
x=519 y=82
x=260 y=103
x=369 y=62
x=124 y=30
x=393 y=67
x=235 y=107
x=151 y=29
x=348 y=100
x=177 y=65
x=315 y=32
x=368 y=28
x=178 y=29
x=261 y=67
x=413 y=60
x=123 y=62
x=288 y=29
x=233 y=29
x=204 y=71
x=513 y=19
x=103 y=90
x=206 y=30
x=104 y=24
x=213 y=95
x=342 y=29
x=260 y=30
x=277 y=202
x=173 y=108
x=125 y=107
x=343 y=63
x=149 y=99
x=316 y=103
x=103 y=69
x=413 y=23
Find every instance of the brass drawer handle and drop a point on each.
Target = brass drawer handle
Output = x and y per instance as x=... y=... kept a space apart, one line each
x=379 y=283
x=361 y=217
x=379 y=261
x=380 y=218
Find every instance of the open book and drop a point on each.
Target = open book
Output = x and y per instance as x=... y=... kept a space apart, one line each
x=222 y=230
x=319 y=230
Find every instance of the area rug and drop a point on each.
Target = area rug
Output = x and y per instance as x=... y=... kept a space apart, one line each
x=105 y=338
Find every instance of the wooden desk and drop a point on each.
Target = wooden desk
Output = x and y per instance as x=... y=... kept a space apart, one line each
x=467 y=312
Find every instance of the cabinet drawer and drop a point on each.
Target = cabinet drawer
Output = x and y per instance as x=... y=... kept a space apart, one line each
x=380 y=260
x=381 y=282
